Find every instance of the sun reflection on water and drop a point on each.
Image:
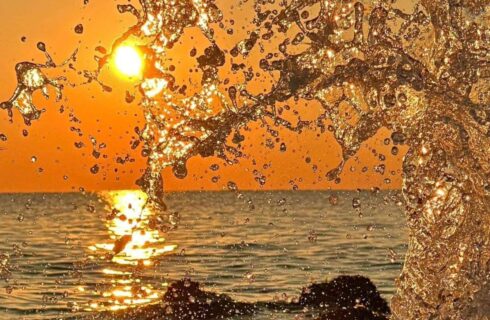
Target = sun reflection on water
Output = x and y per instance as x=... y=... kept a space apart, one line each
x=132 y=247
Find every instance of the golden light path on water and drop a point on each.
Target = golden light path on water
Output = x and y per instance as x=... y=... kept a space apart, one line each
x=131 y=247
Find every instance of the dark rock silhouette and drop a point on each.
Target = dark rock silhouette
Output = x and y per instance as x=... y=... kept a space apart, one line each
x=185 y=300
x=346 y=297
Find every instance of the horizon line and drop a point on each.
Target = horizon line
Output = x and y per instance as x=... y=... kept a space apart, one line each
x=196 y=190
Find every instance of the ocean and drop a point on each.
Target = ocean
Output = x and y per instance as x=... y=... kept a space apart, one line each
x=57 y=256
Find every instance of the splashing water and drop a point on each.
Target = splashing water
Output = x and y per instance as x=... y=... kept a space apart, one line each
x=421 y=70
x=31 y=78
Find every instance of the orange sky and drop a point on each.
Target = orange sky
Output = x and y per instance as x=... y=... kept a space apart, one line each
x=60 y=166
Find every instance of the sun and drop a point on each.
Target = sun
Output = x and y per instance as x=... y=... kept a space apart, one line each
x=129 y=61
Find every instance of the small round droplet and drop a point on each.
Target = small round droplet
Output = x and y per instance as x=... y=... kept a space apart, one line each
x=41 y=46
x=95 y=169
x=356 y=203
x=232 y=186
x=180 y=170
x=283 y=147
x=79 y=28
x=333 y=200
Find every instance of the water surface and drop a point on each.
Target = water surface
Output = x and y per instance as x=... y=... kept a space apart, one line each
x=58 y=249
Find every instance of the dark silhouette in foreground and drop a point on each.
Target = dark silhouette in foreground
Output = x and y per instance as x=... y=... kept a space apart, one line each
x=184 y=300
x=345 y=297
x=187 y=301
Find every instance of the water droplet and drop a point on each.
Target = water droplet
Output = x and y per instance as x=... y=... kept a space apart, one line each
x=333 y=200
x=95 y=169
x=356 y=203
x=79 y=28
x=41 y=46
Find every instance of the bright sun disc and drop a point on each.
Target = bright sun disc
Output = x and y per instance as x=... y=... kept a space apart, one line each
x=128 y=61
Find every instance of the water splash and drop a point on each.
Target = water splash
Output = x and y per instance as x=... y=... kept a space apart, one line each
x=421 y=70
x=32 y=78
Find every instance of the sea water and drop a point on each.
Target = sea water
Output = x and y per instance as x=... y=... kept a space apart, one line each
x=260 y=246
